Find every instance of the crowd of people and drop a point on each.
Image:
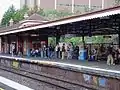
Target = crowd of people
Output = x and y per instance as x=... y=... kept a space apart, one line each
x=60 y=52
x=109 y=53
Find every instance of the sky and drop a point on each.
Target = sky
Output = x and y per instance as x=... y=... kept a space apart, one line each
x=5 y=4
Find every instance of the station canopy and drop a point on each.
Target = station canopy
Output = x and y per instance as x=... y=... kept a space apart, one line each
x=103 y=22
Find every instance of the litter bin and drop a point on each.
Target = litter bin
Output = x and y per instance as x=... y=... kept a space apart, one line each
x=82 y=54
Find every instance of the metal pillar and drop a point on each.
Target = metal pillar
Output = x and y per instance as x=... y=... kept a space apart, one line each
x=90 y=35
x=83 y=39
x=119 y=36
x=0 y=45
x=57 y=39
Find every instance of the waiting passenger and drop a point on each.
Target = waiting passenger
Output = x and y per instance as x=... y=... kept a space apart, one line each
x=63 y=51
x=50 y=51
x=117 y=56
x=76 y=52
x=69 y=51
x=110 y=60
x=57 y=49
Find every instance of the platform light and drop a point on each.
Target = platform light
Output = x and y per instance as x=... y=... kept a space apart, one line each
x=34 y=35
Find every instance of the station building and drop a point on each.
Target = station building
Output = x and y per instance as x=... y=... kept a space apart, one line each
x=25 y=40
x=33 y=32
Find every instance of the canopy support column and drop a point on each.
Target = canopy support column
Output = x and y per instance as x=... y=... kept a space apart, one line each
x=83 y=39
x=119 y=36
x=0 y=45
x=57 y=39
x=90 y=35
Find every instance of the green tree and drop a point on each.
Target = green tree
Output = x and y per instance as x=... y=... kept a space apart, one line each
x=117 y=2
x=16 y=15
x=19 y=14
x=8 y=15
x=54 y=14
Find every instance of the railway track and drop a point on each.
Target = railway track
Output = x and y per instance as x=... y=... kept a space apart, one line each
x=57 y=84
x=31 y=76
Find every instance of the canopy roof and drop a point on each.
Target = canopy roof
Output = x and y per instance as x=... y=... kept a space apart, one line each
x=99 y=22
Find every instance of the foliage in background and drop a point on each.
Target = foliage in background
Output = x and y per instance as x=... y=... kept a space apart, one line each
x=54 y=14
x=8 y=15
x=19 y=14
x=117 y=2
x=16 y=15
x=52 y=40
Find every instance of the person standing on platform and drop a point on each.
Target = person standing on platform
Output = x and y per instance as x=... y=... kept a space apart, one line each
x=117 y=56
x=76 y=52
x=118 y=61
x=50 y=51
x=60 y=52
x=57 y=49
x=13 y=49
x=44 y=51
x=110 y=60
x=20 y=51
x=68 y=52
x=63 y=51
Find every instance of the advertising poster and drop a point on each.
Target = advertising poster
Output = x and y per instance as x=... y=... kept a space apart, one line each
x=95 y=80
x=15 y=64
x=87 y=78
x=102 y=82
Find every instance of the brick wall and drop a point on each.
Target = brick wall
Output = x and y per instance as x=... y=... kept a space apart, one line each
x=64 y=77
